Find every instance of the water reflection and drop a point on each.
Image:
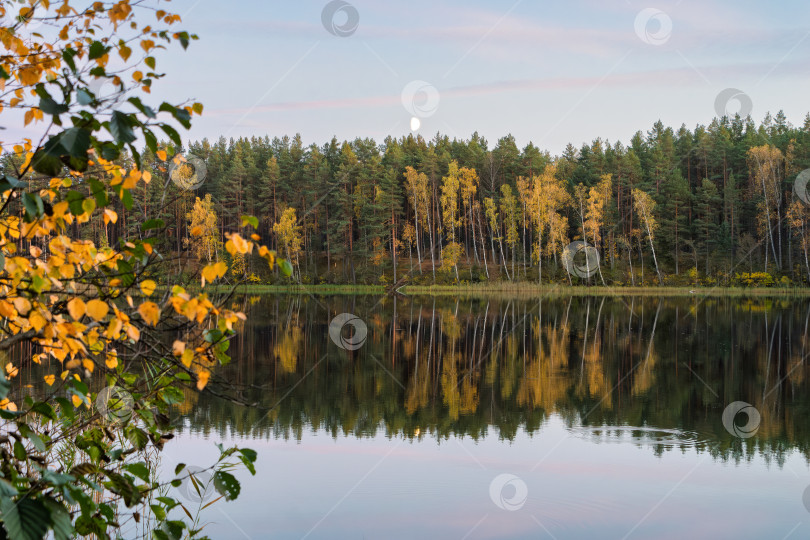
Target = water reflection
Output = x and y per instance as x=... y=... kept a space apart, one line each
x=648 y=371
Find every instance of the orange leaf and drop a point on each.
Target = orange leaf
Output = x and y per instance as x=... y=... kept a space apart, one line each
x=150 y=312
x=97 y=309
x=76 y=308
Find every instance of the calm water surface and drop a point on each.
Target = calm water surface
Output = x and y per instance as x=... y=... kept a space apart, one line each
x=541 y=418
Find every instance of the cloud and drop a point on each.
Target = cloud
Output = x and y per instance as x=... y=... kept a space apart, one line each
x=667 y=78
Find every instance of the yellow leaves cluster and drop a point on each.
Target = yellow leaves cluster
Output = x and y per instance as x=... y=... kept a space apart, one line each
x=213 y=271
x=237 y=244
x=31 y=58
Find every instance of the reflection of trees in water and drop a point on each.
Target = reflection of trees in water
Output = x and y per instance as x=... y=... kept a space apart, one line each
x=458 y=367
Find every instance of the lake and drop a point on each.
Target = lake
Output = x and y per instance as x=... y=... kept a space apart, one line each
x=554 y=417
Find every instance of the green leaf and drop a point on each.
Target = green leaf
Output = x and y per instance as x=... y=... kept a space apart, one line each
x=75 y=200
x=84 y=469
x=121 y=485
x=226 y=484
x=60 y=520
x=49 y=106
x=138 y=469
x=19 y=451
x=151 y=140
x=24 y=519
x=75 y=141
x=172 y=133
x=120 y=127
x=68 y=55
x=47 y=164
x=7 y=489
x=84 y=96
x=181 y=115
x=248 y=459
x=32 y=436
x=8 y=182
x=285 y=267
x=99 y=191
x=146 y=110
x=57 y=479
x=250 y=220
x=5 y=386
x=97 y=50
x=174 y=529
x=159 y=512
x=183 y=37
x=33 y=205
x=137 y=437
x=212 y=335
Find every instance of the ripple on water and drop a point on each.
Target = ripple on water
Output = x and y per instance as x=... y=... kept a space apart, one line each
x=641 y=436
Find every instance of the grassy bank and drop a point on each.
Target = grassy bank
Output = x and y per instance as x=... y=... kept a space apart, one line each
x=529 y=290
x=526 y=290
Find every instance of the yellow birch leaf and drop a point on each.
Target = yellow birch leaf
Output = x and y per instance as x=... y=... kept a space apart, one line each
x=50 y=379
x=97 y=309
x=187 y=357
x=150 y=312
x=7 y=310
x=110 y=215
x=37 y=320
x=133 y=333
x=202 y=379
x=76 y=308
x=23 y=305
x=7 y=405
x=178 y=347
x=148 y=287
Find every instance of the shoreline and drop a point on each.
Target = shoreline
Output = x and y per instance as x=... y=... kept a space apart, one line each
x=526 y=290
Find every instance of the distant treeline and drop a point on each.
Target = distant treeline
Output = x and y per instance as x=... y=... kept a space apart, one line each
x=674 y=206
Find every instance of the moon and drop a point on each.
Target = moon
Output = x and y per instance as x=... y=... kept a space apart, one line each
x=415 y=124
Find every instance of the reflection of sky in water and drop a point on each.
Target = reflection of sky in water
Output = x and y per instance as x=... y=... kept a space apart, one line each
x=383 y=488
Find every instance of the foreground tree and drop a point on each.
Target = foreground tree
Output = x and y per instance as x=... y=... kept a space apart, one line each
x=86 y=314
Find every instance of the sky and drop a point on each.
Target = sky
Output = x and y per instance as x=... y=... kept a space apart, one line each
x=546 y=72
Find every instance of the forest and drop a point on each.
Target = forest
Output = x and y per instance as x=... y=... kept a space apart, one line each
x=717 y=205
